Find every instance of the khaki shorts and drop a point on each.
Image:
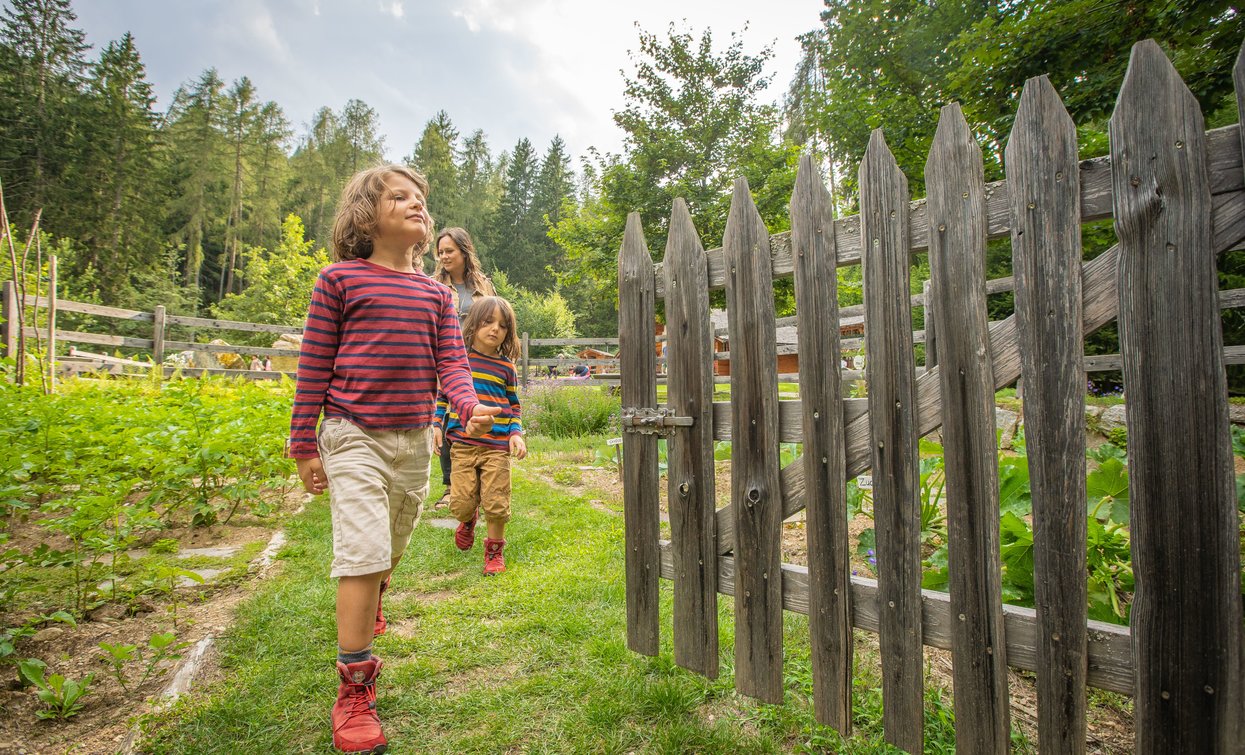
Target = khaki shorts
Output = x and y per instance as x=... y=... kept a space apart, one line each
x=378 y=480
x=479 y=476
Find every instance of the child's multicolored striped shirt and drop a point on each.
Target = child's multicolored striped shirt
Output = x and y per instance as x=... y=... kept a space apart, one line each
x=495 y=383
x=375 y=345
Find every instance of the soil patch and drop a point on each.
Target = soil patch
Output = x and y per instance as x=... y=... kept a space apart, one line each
x=192 y=611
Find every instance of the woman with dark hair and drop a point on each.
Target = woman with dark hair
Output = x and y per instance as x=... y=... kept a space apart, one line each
x=459 y=268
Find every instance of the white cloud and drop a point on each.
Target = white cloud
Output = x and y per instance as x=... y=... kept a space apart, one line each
x=394 y=9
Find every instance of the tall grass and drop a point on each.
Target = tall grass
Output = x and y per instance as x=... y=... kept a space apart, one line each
x=572 y=411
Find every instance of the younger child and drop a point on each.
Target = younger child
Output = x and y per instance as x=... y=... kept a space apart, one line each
x=481 y=465
x=380 y=334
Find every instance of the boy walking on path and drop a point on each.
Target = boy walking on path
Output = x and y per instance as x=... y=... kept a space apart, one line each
x=379 y=336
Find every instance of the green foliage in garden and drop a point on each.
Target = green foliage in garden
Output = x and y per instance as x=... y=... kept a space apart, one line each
x=569 y=411
x=104 y=464
x=279 y=283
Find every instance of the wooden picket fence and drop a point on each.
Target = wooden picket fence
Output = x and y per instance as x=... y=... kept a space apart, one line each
x=1177 y=194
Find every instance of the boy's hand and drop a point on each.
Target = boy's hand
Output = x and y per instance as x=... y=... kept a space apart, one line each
x=311 y=472
x=437 y=439
x=518 y=446
x=482 y=420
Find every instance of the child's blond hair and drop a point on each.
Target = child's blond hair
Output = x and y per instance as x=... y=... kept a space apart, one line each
x=355 y=223
x=481 y=310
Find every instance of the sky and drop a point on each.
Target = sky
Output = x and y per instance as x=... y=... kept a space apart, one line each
x=515 y=68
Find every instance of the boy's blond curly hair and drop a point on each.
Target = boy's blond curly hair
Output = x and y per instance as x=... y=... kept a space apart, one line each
x=355 y=222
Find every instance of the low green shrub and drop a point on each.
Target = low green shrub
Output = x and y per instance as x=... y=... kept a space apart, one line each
x=569 y=411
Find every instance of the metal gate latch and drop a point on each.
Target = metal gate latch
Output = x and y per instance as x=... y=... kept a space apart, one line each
x=652 y=421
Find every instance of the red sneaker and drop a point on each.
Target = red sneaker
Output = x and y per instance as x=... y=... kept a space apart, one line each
x=465 y=534
x=381 y=624
x=356 y=727
x=494 y=562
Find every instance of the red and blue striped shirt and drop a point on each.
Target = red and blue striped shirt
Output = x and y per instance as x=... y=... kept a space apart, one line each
x=375 y=344
x=496 y=385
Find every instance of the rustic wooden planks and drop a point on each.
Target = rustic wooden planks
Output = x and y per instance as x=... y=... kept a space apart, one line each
x=755 y=488
x=1224 y=163
x=829 y=551
x=1110 y=650
x=896 y=461
x=690 y=449
x=1041 y=159
x=638 y=363
x=1186 y=615
x=955 y=181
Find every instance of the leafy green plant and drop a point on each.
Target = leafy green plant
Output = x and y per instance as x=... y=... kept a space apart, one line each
x=165 y=545
x=164 y=579
x=104 y=463
x=61 y=697
x=12 y=635
x=160 y=647
x=119 y=656
x=569 y=411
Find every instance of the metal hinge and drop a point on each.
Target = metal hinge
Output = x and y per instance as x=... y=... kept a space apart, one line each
x=651 y=421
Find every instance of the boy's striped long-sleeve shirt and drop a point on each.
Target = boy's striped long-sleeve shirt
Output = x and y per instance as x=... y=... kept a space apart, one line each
x=376 y=342
x=496 y=385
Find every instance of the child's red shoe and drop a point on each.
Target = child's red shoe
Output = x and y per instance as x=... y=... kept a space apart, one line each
x=465 y=534
x=381 y=624
x=494 y=562
x=356 y=727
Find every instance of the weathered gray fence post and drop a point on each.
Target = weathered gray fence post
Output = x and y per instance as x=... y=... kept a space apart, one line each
x=814 y=255
x=526 y=357
x=637 y=357
x=1186 y=615
x=957 y=251
x=1044 y=189
x=885 y=261
x=157 y=334
x=51 y=366
x=12 y=325
x=689 y=388
x=755 y=488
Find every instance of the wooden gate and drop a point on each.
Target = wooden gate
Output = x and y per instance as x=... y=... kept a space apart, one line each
x=1177 y=194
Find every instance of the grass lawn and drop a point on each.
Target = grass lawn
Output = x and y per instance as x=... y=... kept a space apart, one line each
x=533 y=661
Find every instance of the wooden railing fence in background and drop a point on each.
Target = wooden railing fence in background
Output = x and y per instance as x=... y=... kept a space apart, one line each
x=1178 y=199
x=156 y=345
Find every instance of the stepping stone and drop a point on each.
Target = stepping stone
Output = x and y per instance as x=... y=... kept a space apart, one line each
x=209 y=575
x=445 y=524
x=226 y=551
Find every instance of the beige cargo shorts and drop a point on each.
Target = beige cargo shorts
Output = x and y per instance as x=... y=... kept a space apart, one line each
x=378 y=480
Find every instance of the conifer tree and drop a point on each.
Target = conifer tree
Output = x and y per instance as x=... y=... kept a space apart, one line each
x=554 y=189
x=434 y=156
x=510 y=232
x=271 y=167
x=241 y=118
x=196 y=148
x=44 y=67
x=116 y=202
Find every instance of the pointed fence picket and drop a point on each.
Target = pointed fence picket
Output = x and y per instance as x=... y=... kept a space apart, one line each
x=690 y=450
x=891 y=376
x=1177 y=194
x=1041 y=160
x=829 y=565
x=1186 y=618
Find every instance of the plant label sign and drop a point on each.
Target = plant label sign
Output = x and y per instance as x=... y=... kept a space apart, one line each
x=865 y=482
